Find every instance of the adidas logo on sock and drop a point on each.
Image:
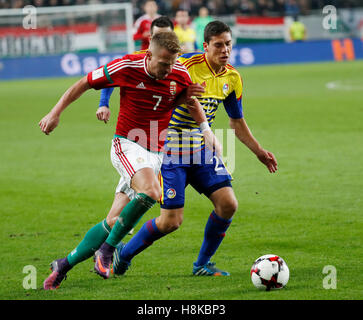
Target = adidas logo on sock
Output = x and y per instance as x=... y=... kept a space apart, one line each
x=141 y=86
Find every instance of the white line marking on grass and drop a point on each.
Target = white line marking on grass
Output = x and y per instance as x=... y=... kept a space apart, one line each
x=346 y=85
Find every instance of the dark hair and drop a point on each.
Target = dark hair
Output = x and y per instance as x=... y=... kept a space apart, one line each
x=215 y=28
x=162 y=22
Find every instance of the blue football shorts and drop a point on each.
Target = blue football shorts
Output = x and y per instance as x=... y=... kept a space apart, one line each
x=203 y=170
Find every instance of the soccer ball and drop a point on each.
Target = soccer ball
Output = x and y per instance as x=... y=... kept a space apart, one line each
x=269 y=272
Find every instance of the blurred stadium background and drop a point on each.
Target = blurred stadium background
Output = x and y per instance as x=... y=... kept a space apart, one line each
x=302 y=99
x=72 y=37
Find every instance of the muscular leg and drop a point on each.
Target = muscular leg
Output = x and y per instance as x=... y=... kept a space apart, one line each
x=145 y=183
x=154 y=229
x=98 y=234
x=225 y=204
x=169 y=219
x=92 y=240
x=120 y=201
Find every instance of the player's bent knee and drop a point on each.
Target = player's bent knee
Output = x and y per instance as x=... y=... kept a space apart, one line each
x=170 y=226
x=167 y=225
x=153 y=191
x=111 y=221
x=227 y=208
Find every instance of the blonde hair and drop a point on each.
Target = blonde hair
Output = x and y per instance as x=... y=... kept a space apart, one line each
x=167 y=40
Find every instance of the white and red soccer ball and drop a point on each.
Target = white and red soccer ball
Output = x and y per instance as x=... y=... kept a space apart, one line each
x=269 y=272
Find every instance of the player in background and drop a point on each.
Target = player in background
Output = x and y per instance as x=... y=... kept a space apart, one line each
x=151 y=84
x=209 y=176
x=184 y=31
x=143 y=23
x=199 y=23
x=161 y=24
x=297 y=30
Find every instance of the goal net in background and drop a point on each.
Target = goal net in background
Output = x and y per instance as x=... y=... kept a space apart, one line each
x=32 y=31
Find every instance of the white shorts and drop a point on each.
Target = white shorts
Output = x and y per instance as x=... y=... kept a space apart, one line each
x=128 y=157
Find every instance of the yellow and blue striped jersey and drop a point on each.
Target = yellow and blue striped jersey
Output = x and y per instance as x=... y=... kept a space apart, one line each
x=184 y=135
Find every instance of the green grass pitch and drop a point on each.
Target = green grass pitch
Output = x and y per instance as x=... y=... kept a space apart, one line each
x=54 y=188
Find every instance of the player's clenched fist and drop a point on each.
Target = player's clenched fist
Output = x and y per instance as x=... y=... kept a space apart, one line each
x=103 y=114
x=49 y=123
x=193 y=91
x=212 y=142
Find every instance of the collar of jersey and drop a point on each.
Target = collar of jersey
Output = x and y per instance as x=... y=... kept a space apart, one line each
x=146 y=69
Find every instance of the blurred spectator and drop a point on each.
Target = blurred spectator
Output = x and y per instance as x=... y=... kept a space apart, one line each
x=279 y=7
x=143 y=23
x=247 y=7
x=54 y=3
x=17 y=4
x=199 y=24
x=39 y=3
x=67 y=2
x=185 y=33
x=262 y=7
x=195 y=5
x=304 y=6
x=291 y=8
x=297 y=30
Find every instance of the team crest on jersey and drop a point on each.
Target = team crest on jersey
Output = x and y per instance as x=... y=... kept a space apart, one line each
x=225 y=88
x=172 y=87
x=171 y=193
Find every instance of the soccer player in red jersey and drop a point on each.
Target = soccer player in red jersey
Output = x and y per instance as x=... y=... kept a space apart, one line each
x=142 y=24
x=151 y=85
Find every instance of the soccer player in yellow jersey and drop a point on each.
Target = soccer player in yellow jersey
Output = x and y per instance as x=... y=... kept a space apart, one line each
x=203 y=170
x=184 y=32
x=297 y=30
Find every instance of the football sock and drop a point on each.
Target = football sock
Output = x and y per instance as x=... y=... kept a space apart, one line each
x=90 y=243
x=144 y=238
x=129 y=217
x=213 y=235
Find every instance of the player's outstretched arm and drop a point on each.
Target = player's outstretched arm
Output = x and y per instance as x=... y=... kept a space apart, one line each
x=244 y=134
x=51 y=120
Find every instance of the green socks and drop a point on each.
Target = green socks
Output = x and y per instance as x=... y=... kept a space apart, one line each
x=101 y=232
x=129 y=217
x=90 y=243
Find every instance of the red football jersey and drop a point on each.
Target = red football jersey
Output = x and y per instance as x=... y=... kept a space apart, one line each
x=142 y=25
x=146 y=104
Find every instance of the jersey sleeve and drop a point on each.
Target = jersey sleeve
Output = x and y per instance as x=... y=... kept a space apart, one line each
x=233 y=102
x=105 y=97
x=106 y=76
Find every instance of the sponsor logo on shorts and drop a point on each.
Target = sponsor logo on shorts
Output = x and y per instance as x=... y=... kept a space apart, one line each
x=140 y=160
x=171 y=193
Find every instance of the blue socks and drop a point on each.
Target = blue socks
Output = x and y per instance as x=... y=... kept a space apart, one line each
x=142 y=239
x=213 y=235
